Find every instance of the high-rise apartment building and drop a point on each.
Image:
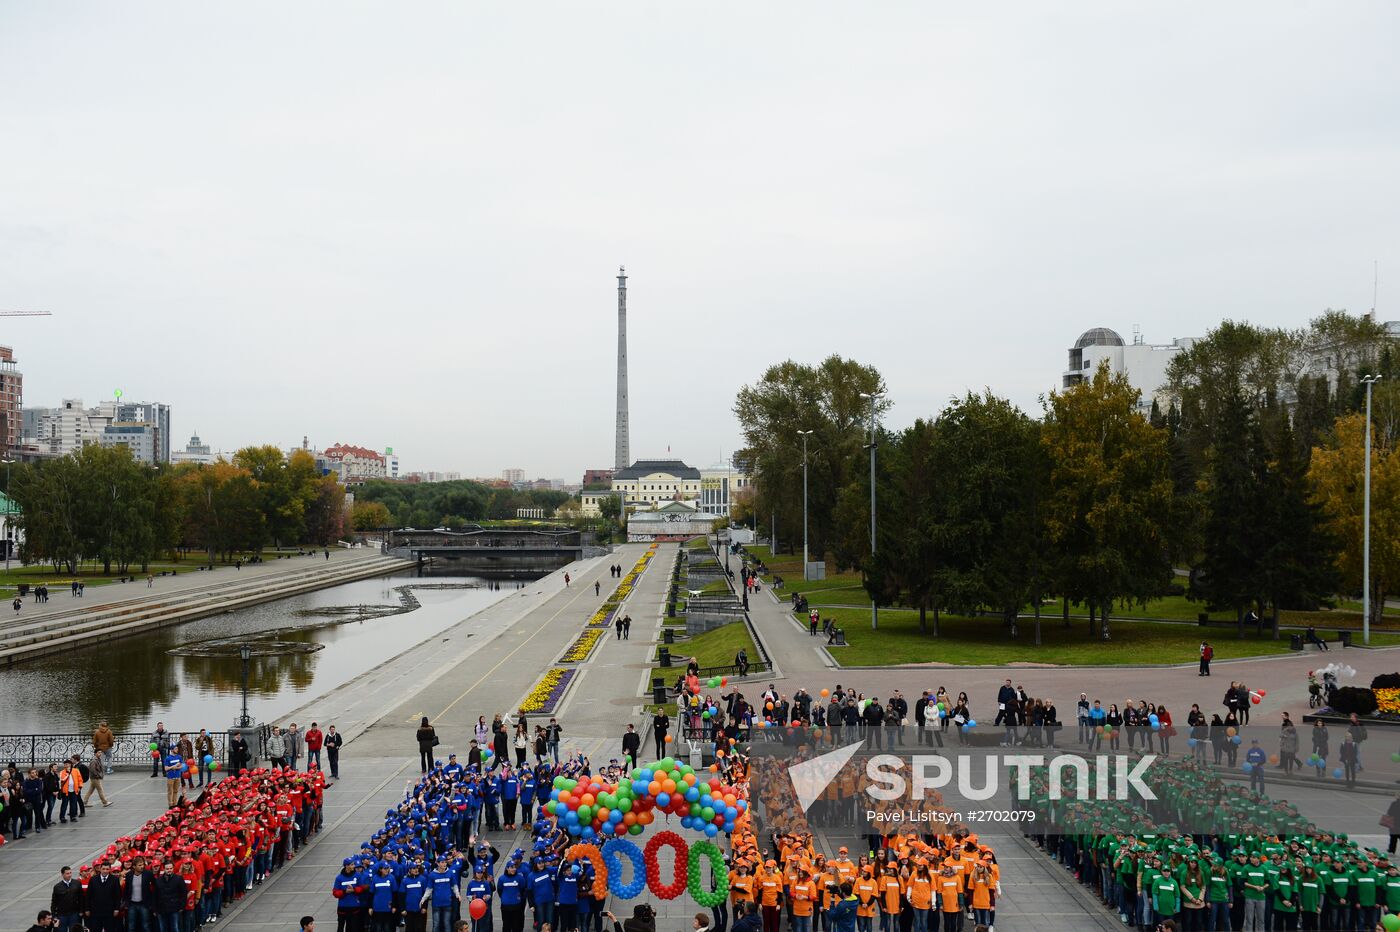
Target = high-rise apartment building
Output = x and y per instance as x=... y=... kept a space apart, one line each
x=11 y=401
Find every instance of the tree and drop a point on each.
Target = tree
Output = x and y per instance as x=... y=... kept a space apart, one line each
x=1336 y=473
x=906 y=565
x=610 y=507
x=368 y=516
x=825 y=399
x=325 y=512
x=1107 y=506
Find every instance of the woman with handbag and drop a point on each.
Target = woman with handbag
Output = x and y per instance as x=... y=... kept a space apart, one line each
x=427 y=740
x=1391 y=821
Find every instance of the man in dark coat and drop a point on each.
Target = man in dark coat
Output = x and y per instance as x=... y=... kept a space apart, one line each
x=66 y=903
x=104 y=899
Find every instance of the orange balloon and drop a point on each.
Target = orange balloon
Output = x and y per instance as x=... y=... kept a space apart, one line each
x=714 y=768
x=629 y=819
x=825 y=693
x=565 y=796
x=689 y=779
x=769 y=707
x=645 y=818
x=654 y=787
x=668 y=739
x=668 y=785
x=586 y=799
x=602 y=814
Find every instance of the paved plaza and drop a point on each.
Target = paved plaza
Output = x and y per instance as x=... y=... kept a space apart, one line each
x=488 y=662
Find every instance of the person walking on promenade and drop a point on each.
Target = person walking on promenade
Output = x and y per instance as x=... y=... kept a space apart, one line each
x=1358 y=735
x=66 y=902
x=597 y=587
x=315 y=740
x=567 y=580
x=70 y=785
x=204 y=747
x=660 y=726
x=427 y=740
x=1349 y=754
x=94 y=784
x=161 y=739
x=627 y=627
x=631 y=744
x=332 y=744
x=102 y=743
x=617 y=626
x=552 y=733
x=1207 y=655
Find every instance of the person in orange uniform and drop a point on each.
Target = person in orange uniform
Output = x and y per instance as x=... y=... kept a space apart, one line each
x=804 y=894
x=981 y=891
x=950 y=895
x=741 y=884
x=919 y=890
x=770 y=896
x=843 y=866
x=891 y=896
x=867 y=893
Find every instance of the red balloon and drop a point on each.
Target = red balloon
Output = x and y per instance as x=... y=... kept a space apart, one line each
x=477 y=907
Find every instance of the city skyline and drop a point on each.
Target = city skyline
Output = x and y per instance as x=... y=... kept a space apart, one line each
x=276 y=255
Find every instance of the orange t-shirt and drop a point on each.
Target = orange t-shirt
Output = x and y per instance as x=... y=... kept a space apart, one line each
x=867 y=892
x=948 y=890
x=920 y=892
x=844 y=868
x=803 y=892
x=770 y=888
x=981 y=890
x=740 y=887
x=890 y=888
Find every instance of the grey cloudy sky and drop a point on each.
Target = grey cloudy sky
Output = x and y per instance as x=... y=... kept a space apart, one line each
x=399 y=224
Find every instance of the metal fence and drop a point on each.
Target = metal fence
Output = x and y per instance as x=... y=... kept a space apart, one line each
x=130 y=748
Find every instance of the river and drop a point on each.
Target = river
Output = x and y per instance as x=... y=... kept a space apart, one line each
x=135 y=682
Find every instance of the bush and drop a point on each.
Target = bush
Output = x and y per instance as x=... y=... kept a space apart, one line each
x=1386 y=681
x=1356 y=699
x=1171 y=589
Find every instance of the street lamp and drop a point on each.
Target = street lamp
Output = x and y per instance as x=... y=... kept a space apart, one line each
x=245 y=653
x=806 y=566
x=1369 y=381
x=874 y=608
x=9 y=514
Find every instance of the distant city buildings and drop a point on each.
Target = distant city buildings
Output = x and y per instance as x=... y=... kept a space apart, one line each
x=11 y=402
x=513 y=475
x=1144 y=364
x=433 y=476
x=354 y=464
x=598 y=477
x=196 y=451
x=142 y=427
x=649 y=484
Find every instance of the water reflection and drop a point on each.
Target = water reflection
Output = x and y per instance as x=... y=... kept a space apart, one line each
x=133 y=683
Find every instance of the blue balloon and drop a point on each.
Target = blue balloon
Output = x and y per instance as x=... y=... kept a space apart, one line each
x=208 y=759
x=1337 y=773
x=707 y=800
x=730 y=813
x=741 y=804
x=573 y=829
x=554 y=795
x=587 y=832
x=1235 y=740
x=615 y=816
x=970 y=724
x=1190 y=742
x=663 y=799
x=571 y=817
x=692 y=794
x=1247 y=767
x=647 y=776
x=711 y=830
x=1152 y=718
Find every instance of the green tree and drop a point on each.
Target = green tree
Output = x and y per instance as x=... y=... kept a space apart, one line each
x=369 y=516
x=1108 y=500
x=907 y=563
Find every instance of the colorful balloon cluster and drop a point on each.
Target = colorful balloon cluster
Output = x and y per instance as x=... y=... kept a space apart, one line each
x=646 y=868
x=588 y=809
x=190 y=768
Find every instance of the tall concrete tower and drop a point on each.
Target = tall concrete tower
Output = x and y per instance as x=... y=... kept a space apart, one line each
x=622 y=460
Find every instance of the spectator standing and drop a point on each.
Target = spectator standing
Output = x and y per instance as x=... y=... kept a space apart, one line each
x=552 y=733
x=660 y=726
x=631 y=744
x=204 y=747
x=174 y=769
x=169 y=897
x=70 y=786
x=67 y=902
x=185 y=748
x=1358 y=735
x=103 y=900
x=237 y=753
x=139 y=896
x=294 y=745
x=1207 y=655
x=160 y=738
x=427 y=740
x=315 y=740
x=277 y=748
x=332 y=744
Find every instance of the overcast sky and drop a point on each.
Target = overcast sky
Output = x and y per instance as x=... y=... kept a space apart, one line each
x=400 y=224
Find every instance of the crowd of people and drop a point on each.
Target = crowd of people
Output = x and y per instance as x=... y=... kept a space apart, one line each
x=180 y=871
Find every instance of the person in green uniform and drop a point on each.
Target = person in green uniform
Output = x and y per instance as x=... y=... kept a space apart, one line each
x=1166 y=897
x=1193 y=896
x=1285 y=896
x=1309 y=899
x=1338 y=903
x=1254 y=883
x=1219 y=887
x=1367 y=881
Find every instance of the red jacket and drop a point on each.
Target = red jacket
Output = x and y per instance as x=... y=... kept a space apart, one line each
x=313 y=739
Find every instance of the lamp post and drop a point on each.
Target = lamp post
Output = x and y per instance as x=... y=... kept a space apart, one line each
x=245 y=653
x=1369 y=381
x=874 y=608
x=9 y=515
x=806 y=571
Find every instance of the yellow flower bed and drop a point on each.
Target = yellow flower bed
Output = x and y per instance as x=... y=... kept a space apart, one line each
x=1387 y=700
x=543 y=696
x=581 y=648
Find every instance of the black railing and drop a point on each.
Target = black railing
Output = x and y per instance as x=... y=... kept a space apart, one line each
x=128 y=748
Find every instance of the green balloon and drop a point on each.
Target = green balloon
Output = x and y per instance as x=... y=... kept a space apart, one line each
x=585 y=814
x=1391 y=922
x=707 y=813
x=153 y=746
x=625 y=805
x=635 y=829
x=694 y=809
x=706 y=714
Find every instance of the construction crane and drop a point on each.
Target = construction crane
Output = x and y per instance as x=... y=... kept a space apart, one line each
x=25 y=314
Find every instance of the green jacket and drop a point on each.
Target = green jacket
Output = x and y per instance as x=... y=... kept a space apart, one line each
x=1166 y=896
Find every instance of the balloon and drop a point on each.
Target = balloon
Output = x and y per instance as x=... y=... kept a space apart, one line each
x=669 y=739
x=1391 y=922
x=1274 y=760
x=713 y=682
x=1236 y=739
x=1247 y=767
x=477 y=907
x=1395 y=757
x=1230 y=731
x=825 y=693
x=970 y=724
x=1255 y=698
x=1190 y=742
x=769 y=707
x=153 y=746
x=208 y=759
x=1337 y=773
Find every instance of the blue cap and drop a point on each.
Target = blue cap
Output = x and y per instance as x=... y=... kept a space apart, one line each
x=348 y=862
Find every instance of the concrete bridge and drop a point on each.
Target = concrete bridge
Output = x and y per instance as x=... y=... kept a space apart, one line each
x=493 y=552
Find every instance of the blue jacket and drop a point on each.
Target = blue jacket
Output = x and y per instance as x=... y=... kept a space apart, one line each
x=443 y=885
x=481 y=889
x=542 y=886
x=510 y=787
x=843 y=915
x=174 y=766
x=413 y=889
x=353 y=888
x=512 y=888
x=382 y=888
x=568 y=885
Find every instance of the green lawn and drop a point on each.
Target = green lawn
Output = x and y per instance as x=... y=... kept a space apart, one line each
x=715 y=648
x=698 y=543
x=90 y=571
x=984 y=642
x=718 y=585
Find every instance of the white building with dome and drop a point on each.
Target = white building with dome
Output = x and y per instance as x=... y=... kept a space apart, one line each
x=1144 y=364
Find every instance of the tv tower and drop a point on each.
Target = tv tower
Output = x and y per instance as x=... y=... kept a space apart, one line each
x=621 y=458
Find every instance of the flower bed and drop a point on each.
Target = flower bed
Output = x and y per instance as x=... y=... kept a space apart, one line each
x=544 y=698
x=578 y=651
